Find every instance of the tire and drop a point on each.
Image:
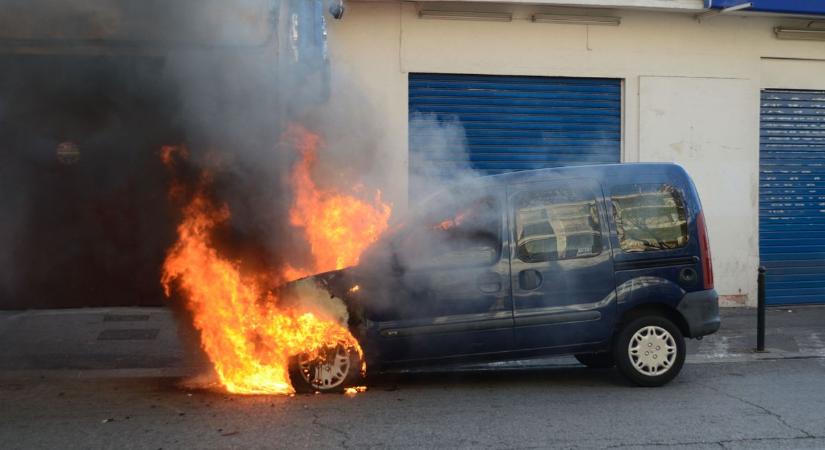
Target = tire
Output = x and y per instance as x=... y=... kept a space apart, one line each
x=597 y=360
x=650 y=351
x=340 y=368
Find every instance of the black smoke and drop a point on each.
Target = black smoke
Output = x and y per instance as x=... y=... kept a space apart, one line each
x=90 y=90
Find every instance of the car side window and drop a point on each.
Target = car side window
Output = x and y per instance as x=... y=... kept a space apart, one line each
x=649 y=217
x=557 y=224
x=463 y=233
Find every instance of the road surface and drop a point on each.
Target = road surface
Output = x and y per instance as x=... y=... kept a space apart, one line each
x=757 y=404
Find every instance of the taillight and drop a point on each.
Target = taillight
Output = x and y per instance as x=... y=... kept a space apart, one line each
x=704 y=249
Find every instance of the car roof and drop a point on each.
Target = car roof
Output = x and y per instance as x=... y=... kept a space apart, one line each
x=614 y=173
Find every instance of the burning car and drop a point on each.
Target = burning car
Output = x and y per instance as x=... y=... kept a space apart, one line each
x=608 y=263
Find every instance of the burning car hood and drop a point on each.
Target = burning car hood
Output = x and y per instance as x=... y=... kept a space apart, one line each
x=328 y=294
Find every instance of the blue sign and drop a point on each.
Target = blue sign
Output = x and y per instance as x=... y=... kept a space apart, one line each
x=809 y=7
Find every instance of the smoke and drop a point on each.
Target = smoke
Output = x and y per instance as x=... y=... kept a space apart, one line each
x=438 y=149
x=84 y=216
x=429 y=265
x=90 y=90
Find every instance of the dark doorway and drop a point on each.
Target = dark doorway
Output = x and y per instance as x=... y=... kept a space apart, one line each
x=84 y=219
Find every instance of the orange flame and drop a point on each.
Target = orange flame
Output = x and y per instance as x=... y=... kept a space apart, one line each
x=447 y=224
x=248 y=337
x=167 y=153
x=337 y=226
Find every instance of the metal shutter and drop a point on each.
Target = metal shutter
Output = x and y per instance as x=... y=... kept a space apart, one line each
x=792 y=195
x=516 y=122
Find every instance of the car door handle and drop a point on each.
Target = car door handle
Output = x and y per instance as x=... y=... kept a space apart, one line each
x=489 y=283
x=529 y=279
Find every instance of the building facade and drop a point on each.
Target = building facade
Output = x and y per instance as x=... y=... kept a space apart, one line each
x=736 y=96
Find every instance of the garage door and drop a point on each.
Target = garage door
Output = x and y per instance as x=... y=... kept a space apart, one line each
x=514 y=122
x=792 y=195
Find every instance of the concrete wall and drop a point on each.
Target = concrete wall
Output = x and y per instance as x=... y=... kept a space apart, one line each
x=691 y=92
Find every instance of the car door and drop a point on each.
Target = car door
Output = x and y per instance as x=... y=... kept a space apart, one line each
x=451 y=294
x=561 y=269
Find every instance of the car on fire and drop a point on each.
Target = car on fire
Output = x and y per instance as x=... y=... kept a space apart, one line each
x=608 y=263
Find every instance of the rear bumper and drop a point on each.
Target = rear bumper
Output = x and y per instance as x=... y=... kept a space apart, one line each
x=701 y=311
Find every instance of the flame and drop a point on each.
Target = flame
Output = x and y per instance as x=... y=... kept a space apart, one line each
x=355 y=390
x=337 y=226
x=248 y=336
x=168 y=152
x=447 y=224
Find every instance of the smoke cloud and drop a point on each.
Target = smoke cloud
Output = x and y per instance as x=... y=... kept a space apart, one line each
x=438 y=148
x=90 y=90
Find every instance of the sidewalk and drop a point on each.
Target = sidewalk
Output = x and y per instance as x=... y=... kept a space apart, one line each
x=149 y=342
x=128 y=340
x=790 y=332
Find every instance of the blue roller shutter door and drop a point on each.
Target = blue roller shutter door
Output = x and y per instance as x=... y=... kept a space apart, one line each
x=517 y=122
x=792 y=195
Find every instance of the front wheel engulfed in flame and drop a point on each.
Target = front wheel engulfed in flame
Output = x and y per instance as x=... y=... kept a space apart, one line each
x=331 y=369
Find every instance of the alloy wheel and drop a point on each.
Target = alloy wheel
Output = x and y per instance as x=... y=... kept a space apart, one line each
x=327 y=371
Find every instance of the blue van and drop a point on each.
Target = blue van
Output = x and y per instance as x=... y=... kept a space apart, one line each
x=608 y=263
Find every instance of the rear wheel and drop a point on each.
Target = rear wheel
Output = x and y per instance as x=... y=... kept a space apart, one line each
x=597 y=360
x=650 y=351
x=331 y=370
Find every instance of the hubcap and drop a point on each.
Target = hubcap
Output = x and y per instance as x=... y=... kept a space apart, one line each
x=327 y=371
x=652 y=350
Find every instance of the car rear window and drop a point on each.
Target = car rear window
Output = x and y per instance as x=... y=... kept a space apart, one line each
x=649 y=217
x=557 y=224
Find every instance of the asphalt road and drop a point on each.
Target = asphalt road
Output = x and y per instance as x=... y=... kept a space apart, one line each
x=759 y=404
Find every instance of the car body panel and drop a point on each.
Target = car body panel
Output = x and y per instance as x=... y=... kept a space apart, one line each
x=449 y=310
x=564 y=305
x=568 y=300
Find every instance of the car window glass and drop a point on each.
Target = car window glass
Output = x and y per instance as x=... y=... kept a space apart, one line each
x=649 y=217
x=557 y=224
x=464 y=232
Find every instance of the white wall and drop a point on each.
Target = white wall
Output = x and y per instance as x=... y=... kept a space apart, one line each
x=691 y=92
x=697 y=122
